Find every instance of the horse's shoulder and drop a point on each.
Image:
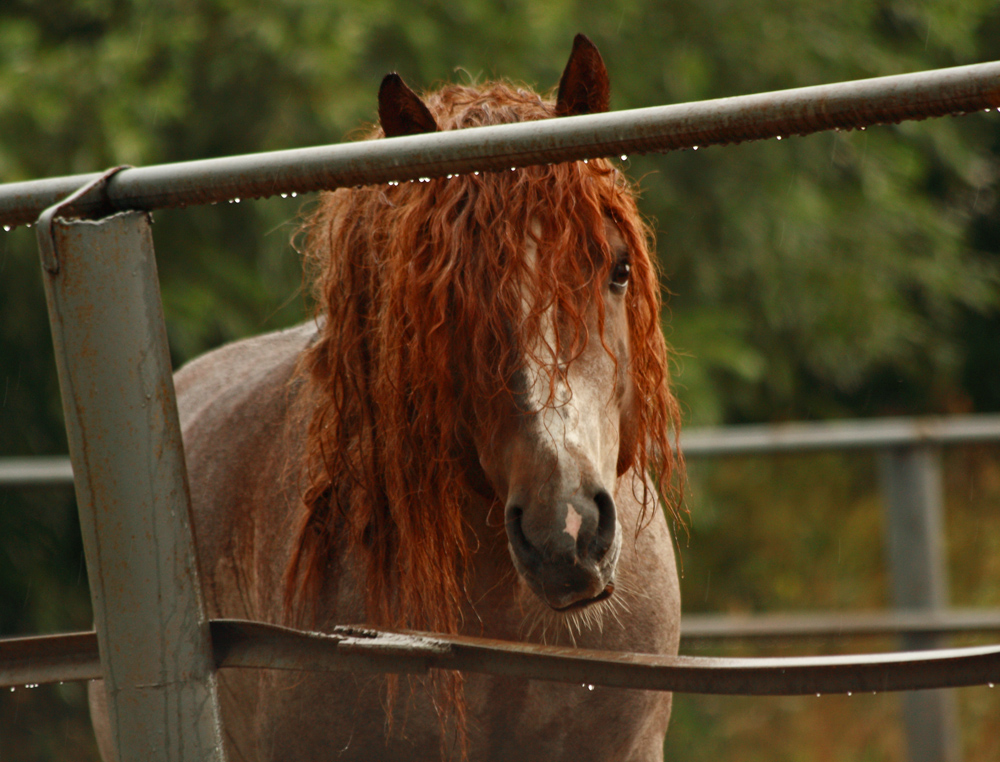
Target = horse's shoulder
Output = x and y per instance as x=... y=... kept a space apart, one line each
x=240 y=373
x=241 y=433
x=238 y=411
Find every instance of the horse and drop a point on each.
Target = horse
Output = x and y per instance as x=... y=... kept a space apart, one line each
x=471 y=436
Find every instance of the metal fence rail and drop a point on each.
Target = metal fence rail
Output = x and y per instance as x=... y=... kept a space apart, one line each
x=873 y=434
x=39 y=471
x=717 y=441
x=802 y=111
x=837 y=624
x=242 y=644
x=74 y=656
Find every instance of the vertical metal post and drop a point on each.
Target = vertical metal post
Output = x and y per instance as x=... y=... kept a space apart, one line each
x=124 y=438
x=914 y=540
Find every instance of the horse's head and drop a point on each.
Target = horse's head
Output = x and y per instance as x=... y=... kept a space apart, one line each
x=494 y=334
x=569 y=429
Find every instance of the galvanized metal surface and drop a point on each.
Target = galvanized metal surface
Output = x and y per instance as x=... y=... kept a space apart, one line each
x=847 y=105
x=121 y=421
x=914 y=541
x=252 y=644
x=914 y=528
x=39 y=471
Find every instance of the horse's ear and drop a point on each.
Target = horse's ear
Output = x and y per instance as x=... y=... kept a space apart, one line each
x=584 y=87
x=400 y=110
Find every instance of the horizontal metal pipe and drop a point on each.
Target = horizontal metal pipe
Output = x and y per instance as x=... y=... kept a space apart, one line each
x=49 y=659
x=824 y=624
x=238 y=644
x=839 y=435
x=802 y=111
x=39 y=471
x=706 y=442
x=246 y=644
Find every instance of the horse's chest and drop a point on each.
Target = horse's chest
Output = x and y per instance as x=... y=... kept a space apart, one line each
x=524 y=719
x=307 y=717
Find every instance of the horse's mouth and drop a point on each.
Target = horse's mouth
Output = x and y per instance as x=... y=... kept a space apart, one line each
x=582 y=604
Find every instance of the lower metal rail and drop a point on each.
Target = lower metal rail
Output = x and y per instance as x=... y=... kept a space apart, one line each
x=242 y=644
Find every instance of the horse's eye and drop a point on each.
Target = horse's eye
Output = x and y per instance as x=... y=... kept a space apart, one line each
x=620 y=275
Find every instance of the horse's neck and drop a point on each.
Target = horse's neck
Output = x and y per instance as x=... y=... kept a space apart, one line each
x=487 y=538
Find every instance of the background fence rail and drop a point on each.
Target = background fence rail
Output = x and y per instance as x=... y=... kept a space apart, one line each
x=717 y=441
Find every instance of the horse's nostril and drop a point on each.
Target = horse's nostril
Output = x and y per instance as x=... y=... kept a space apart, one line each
x=606 y=524
x=512 y=517
x=518 y=540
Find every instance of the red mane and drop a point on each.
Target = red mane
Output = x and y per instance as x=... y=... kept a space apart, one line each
x=420 y=289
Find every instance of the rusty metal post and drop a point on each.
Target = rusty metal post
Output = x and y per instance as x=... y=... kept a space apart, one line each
x=124 y=438
x=914 y=540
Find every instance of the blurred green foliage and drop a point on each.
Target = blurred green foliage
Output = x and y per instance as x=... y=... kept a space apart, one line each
x=843 y=274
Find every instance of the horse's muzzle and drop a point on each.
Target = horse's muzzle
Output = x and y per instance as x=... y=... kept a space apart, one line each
x=566 y=552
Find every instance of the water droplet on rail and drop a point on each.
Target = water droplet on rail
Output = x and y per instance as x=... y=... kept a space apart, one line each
x=475 y=173
x=284 y=195
x=990 y=684
x=849 y=693
x=695 y=147
x=585 y=161
x=624 y=157
x=590 y=687
x=779 y=138
x=294 y=194
x=6 y=228
x=818 y=695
